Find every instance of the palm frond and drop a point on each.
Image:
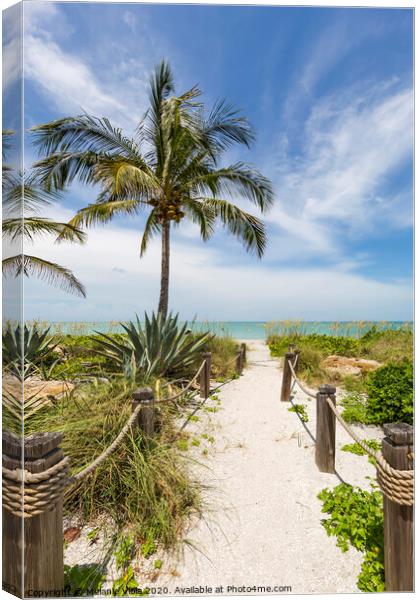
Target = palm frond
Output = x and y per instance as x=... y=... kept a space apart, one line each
x=52 y=273
x=23 y=192
x=202 y=214
x=225 y=127
x=238 y=179
x=151 y=228
x=84 y=133
x=32 y=226
x=7 y=135
x=122 y=178
x=246 y=227
x=102 y=212
x=59 y=169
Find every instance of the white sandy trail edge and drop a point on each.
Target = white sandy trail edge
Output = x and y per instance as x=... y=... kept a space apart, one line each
x=263 y=523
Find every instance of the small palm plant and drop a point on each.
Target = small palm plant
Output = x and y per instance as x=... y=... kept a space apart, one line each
x=23 y=196
x=160 y=347
x=170 y=169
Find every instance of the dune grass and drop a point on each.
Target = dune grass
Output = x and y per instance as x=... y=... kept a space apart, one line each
x=223 y=352
x=383 y=345
x=144 y=486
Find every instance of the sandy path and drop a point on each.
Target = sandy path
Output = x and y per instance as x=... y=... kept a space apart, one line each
x=262 y=527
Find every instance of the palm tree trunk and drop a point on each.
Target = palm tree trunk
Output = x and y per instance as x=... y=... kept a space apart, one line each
x=164 y=274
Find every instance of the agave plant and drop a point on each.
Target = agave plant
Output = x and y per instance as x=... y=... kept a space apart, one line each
x=161 y=347
x=22 y=357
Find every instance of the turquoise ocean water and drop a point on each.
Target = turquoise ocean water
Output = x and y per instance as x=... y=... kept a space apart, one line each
x=247 y=330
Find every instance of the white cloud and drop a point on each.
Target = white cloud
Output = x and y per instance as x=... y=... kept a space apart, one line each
x=130 y=19
x=338 y=188
x=120 y=284
x=12 y=46
x=322 y=55
x=67 y=79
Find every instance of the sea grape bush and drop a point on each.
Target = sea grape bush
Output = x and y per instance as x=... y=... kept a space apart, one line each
x=390 y=394
x=356 y=518
x=327 y=344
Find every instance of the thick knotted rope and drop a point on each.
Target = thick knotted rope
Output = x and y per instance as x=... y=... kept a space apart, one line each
x=396 y=484
x=27 y=494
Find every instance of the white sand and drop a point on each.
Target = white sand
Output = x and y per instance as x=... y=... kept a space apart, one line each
x=263 y=524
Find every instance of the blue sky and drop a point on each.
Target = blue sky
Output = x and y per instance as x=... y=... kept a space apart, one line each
x=329 y=92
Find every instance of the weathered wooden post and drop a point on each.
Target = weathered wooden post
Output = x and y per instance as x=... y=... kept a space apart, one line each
x=398 y=519
x=205 y=376
x=286 y=384
x=296 y=360
x=146 y=398
x=33 y=522
x=243 y=349
x=238 y=363
x=325 y=430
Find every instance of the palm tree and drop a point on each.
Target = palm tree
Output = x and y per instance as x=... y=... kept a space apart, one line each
x=170 y=168
x=23 y=196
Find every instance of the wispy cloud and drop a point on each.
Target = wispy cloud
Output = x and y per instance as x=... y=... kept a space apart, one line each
x=352 y=146
x=315 y=293
x=12 y=45
x=68 y=80
x=332 y=45
x=130 y=19
x=339 y=164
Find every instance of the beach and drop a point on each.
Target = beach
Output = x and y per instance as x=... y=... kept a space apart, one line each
x=261 y=525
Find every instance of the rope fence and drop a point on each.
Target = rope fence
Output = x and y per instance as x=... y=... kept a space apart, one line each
x=394 y=468
x=299 y=383
x=396 y=484
x=27 y=494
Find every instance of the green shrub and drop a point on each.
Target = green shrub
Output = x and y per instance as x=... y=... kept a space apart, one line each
x=353 y=383
x=223 y=351
x=356 y=518
x=387 y=346
x=390 y=394
x=310 y=368
x=326 y=344
x=354 y=408
x=83 y=580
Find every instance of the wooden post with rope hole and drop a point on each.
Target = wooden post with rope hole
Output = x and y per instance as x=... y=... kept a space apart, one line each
x=146 y=420
x=325 y=430
x=286 y=384
x=397 y=449
x=205 y=376
x=36 y=539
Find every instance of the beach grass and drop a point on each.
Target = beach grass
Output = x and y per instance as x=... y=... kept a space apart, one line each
x=383 y=343
x=144 y=486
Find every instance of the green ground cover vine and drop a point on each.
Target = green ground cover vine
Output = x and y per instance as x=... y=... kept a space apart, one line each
x=300 y=410
x=356 y=519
